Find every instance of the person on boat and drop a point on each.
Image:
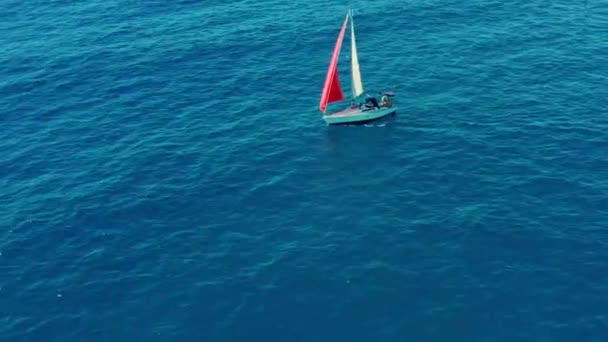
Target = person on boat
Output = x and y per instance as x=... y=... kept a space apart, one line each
x=373 y=101
x=385 y=102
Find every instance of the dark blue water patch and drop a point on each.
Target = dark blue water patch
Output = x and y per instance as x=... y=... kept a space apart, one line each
x=166 y=173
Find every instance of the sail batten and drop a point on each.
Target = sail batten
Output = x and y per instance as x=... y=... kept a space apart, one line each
x=357 y=84
x=332 y=91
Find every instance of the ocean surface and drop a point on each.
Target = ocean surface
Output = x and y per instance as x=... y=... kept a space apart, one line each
x=165 y=173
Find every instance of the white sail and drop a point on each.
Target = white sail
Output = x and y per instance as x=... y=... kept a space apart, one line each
x=357 y=85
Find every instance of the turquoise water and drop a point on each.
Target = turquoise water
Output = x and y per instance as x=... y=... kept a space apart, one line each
x=165 y=174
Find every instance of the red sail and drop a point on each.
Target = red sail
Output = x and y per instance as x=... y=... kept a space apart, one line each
x=332 y=92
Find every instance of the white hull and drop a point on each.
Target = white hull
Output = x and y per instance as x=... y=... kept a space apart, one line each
x=356 y=115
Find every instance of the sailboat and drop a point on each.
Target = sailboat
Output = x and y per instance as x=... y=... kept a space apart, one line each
x=332 y=91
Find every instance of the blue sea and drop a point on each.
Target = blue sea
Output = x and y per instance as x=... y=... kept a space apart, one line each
x=165 y=173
